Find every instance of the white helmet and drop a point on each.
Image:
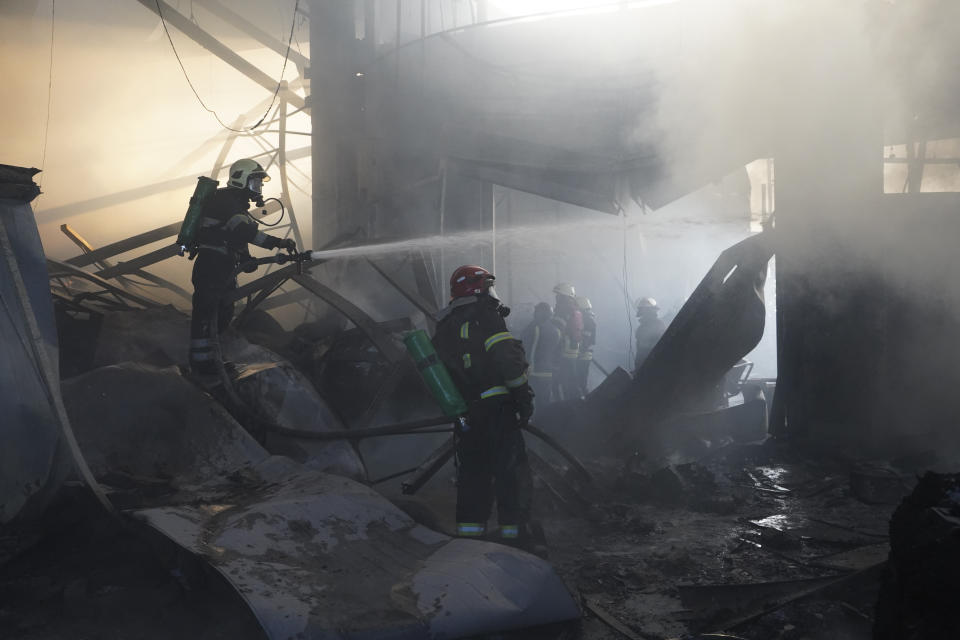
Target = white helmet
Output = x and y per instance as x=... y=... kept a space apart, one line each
x=646 y=304
x=565 y=289
x=247 y=174
x=583 y=303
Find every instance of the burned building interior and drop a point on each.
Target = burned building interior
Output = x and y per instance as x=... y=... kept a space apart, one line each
x=723 y=232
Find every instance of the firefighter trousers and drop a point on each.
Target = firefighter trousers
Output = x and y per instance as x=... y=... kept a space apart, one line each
x=213 y=279
x=493 y=464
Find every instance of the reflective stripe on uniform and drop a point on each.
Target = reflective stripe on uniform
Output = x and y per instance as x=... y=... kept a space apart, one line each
x=509 y=531
x=466 y=361
x=200 y=342
x=201 y=356
x=465 y=331
x=497 y=338
x=586 y=356
x=494 y=391
x=470 y=529
x=541 y=374
x=517 y=382
x=235 y=222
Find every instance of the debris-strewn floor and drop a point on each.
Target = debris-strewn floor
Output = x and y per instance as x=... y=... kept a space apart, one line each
x=705 y=547
x=664 y=555
x=92 y=578
x=713 y=546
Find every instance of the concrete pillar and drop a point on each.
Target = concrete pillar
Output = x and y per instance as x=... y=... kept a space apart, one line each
x=829 y=189
x=335 y=103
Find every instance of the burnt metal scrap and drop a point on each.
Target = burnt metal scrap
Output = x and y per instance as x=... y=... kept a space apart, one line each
x=31 y=471
x=30 y=399
x=313 y=554
x=722 y=320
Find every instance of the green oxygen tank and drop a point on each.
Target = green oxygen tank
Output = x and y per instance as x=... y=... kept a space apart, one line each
x=191 y=221
x=434 y=373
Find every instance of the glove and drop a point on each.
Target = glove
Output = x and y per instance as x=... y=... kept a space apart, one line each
x=289 y=244
x=524 y=413
x=249 y=266
x=523 y=400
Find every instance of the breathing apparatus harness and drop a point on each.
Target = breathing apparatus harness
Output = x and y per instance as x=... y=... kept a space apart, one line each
x=187 y=238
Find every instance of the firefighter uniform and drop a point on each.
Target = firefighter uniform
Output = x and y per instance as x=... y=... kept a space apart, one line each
x=488 y=366
x=588 y=339
x=541 y=340
x=224 y=234
x=649 y=329
x=570 y=322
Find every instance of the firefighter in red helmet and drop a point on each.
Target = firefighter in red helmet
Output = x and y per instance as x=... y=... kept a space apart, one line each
x=489 y=368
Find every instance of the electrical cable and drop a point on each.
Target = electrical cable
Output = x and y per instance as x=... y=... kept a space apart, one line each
x=46 y=127
x=200 y=100
x=626 y=292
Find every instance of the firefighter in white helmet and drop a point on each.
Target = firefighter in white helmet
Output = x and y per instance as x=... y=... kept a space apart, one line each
x=649 y=329
x=225 y=231
x=570 y=322
x=588 y=341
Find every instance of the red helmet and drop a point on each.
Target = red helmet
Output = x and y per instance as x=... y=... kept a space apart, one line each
x=470 y=280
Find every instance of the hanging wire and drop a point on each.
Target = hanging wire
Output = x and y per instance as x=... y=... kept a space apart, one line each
x=46 y=127
x=286 y=58
x=626 y=291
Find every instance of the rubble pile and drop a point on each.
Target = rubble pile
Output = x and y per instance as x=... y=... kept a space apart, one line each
x=921 y=584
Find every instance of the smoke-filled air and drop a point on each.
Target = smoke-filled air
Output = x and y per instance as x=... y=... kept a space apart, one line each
x=553 y=319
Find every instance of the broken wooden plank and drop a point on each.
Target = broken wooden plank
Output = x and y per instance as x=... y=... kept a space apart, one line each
x=85 y=246
x=147 y=259
x=127 y=244
x=104 y=264
x=593 y=605
x=57 y=269
x=871 y=573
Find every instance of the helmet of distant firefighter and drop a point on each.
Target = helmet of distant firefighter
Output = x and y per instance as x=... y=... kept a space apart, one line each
x=647 y=307
x=565 y=289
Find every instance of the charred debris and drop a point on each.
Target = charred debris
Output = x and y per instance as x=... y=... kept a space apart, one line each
x=261 y=507
x=779 y=462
